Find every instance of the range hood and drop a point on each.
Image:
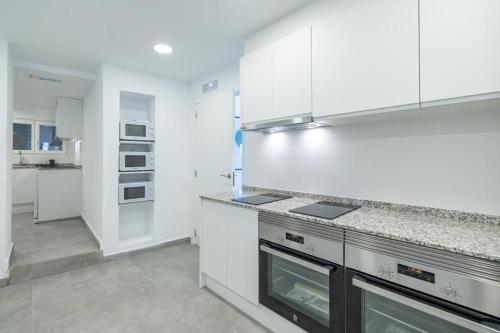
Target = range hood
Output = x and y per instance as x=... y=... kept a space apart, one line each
x=280 y=125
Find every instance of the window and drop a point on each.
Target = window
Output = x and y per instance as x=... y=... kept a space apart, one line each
x=46 y=139
x=36 y=137
x=22 y=135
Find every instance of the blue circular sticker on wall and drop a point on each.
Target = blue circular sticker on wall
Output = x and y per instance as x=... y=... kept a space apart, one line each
x=238 y=137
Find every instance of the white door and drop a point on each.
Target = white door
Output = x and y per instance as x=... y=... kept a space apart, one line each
x=365 y=57
x=459 y=48
x=214 y=148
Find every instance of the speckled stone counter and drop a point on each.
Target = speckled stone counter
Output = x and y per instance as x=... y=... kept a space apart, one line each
x=475 y=235
x=60 y=166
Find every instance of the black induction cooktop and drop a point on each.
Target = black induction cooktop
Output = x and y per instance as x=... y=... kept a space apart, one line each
x=261 y=198
x=325 y=209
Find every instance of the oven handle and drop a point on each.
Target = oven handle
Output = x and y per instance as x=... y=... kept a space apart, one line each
x=431 y=310
x=320 y=269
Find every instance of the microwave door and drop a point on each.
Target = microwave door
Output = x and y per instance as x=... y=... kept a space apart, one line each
x=135 y=161
x=132 y=130
x=134 y=193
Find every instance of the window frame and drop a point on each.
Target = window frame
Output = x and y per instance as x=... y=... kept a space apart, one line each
x=25 y=122
x=39 y=123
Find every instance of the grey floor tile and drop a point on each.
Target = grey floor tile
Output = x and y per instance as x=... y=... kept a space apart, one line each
x=154 y=291
x=15 y=308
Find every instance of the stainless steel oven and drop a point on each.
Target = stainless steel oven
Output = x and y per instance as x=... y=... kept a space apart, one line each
x=300 y=272
x=396 y=287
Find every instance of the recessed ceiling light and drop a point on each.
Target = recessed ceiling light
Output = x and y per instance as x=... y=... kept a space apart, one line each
x=163 y=48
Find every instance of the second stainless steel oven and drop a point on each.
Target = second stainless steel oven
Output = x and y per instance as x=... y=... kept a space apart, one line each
x=300 y=272
x=396 y=287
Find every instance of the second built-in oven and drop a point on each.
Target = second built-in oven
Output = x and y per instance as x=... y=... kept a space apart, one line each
x=301 y=276
x=396 y=287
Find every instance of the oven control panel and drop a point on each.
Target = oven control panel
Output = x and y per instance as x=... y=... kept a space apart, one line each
x=417 y=273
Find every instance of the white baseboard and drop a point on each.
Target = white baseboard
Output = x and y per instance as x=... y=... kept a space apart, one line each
x=92 y=231
x=5 y=263
x=132 y=246
x=259 y=313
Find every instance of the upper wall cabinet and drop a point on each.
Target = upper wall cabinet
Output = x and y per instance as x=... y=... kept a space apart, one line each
x=69 y=118
x=276 y=80
x=460 y=49
x=365 y=57
x=256 y=70
x=292 y=75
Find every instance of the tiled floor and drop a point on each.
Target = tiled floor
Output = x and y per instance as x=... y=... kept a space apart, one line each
x=155 y=291
x=48 y=246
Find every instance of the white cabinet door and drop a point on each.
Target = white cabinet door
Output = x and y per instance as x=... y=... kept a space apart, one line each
x=242 y=252
x=365 y=57
x=292 y=75
x=59 y=194
x=213 y=240
x=69 y=118
x=23 y=186
x=256 y=85
x=460 y=48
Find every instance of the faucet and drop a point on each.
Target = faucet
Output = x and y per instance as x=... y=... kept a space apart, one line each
x=21 y=158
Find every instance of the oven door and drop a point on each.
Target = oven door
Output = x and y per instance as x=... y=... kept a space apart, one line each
x=377 y=306
x=306 y=290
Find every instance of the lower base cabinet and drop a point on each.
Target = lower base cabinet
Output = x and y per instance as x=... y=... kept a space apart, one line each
x=229 y=247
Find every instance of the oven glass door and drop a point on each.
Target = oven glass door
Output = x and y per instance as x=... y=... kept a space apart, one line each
x=383 y=310
x=132 y=130
x=135 y=161
x=134 y=192
x=301 y=289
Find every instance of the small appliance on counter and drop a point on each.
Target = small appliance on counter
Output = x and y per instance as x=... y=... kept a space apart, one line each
x=325 y=209
x=137 y=130
x=261 y=199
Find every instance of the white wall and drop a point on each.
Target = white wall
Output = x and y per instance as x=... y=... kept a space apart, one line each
x=72 y=152
x=172 y=181
x=444 y=159
x=92 y=157
x=6 y=106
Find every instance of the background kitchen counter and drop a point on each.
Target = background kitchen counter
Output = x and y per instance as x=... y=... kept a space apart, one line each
x=47 y=167
x=471 y=234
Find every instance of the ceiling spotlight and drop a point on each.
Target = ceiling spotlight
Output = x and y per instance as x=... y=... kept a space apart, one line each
x=163 y=48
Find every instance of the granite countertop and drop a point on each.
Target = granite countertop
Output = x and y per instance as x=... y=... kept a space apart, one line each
x=470 y=234
x=60 y=166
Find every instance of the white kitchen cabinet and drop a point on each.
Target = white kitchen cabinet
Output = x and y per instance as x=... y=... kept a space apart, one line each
x=459 y=48
x=242 y=273
x=292 y=75
x=276 y=79
x=213 y=246
x=58 y=194
x=69 y=118
x=257 y=86
x=23 y=186
x=229 y=247
x=365 y=57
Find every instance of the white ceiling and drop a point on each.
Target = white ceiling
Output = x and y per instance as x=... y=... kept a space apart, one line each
x=206 y=35
x=41 y=95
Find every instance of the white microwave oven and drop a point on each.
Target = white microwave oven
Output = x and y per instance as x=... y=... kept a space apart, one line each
x=137 y=130
x=136 y=192
x=137 y=161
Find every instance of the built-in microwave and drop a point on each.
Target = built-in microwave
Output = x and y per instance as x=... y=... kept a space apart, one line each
x=136 y=192
x=137 y=161
x=137 y=130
